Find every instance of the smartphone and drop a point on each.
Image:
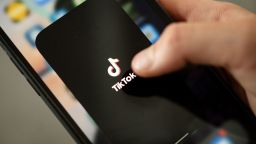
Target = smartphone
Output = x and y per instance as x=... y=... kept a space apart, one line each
x=220 y=117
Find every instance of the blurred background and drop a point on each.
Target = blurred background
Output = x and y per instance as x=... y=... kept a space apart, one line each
x=24 y=117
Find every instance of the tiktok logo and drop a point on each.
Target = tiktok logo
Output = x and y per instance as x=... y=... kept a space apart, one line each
x=114 y=70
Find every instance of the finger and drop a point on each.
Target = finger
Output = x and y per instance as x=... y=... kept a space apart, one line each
x=203 y=10
x=207 y=44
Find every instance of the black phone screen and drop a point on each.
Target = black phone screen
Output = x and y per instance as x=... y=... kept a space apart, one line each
x=22 y=20
x=91 y=49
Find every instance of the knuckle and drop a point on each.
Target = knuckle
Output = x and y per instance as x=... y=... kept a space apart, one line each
x=221 y=10
x=174 y=35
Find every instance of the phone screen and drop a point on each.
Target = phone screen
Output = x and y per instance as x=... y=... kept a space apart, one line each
x=22 y=20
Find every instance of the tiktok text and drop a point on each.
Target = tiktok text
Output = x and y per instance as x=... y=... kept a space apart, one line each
x=119 y=85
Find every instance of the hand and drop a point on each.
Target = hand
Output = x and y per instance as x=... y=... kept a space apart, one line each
x=210 y=33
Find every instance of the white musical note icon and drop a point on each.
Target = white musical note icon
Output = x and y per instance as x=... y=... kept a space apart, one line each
x=114 y=70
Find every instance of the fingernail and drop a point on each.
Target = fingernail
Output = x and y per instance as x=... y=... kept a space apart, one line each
x=142 y=61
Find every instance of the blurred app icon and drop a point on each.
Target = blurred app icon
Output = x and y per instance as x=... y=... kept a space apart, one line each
x=78 y=2
x=32 y=33
x=58 y=14
x=221 y=138
x=17 y=11
x=129 y=8
x=42 y=2
x=151 y=32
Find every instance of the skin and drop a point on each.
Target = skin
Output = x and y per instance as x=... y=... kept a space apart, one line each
x=208 y=32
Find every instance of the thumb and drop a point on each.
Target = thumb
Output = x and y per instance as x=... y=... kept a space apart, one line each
x=198 y=43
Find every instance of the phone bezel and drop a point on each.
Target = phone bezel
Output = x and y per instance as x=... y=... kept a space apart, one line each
x=40 y=87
